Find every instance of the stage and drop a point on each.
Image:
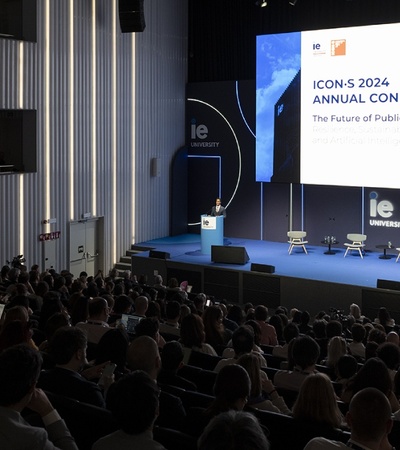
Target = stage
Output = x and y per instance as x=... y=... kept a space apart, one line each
x=316 y=280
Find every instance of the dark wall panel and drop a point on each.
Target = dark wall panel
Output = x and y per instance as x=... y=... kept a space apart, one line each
x=332 y=211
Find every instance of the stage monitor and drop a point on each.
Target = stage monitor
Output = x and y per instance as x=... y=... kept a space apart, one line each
x=388 y=284
x=159 y=255
x=328 y=107
x=229 y=254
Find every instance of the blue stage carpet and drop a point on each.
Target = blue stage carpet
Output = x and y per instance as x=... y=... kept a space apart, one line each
x=316 y=265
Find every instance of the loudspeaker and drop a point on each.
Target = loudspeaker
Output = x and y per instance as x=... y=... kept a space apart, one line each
x=388 y=284
x=131 y=16
x=229 y=255
x=159 y=255
x=262 y=268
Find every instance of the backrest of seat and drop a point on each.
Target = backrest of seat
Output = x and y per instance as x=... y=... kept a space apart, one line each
x=356 y=237
x=296 y=234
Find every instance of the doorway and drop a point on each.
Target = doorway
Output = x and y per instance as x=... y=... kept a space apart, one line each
x=86 y=246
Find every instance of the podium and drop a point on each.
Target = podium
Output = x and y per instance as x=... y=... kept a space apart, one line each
x=212 y=232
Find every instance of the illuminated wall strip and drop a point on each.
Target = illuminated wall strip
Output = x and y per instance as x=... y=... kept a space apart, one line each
x=114 y=132
x=133 y=136
x=21 y=177
x=46 y=118
x=94 y=115
x=71 y=110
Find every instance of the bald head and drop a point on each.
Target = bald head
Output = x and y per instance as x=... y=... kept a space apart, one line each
x=143 y=355
x=141 y=305
x=365 y=424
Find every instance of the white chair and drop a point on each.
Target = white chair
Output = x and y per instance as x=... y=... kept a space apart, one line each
x=357 y=243
x=296 y=239
x=398 y=256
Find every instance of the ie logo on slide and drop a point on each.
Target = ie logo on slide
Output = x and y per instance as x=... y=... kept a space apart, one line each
x=338 y=47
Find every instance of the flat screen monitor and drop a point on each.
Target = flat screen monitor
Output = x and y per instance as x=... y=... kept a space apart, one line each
x=328 y=107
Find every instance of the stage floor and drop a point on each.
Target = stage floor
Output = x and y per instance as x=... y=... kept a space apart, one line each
x=317 y=265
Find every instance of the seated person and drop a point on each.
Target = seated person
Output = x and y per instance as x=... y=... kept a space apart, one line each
x=171 y=361
x=67 y=348
x=243 y=342
x=233 y=430
x=135 y=410
x=171 y=322
x=19 y=371
x=291 y=331
x=97 y=324
x=143 y=354
x=268 y=332
x=305 y=356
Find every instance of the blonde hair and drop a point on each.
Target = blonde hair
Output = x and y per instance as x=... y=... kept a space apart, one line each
x=252 y=365
x=355 y=311
x=317 y=401
x=337 y=347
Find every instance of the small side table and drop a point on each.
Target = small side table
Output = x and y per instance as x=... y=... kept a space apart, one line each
x=330 y=242
x=385 y=247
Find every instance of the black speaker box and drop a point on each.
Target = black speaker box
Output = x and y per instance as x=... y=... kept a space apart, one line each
x=262 y=268
x=388 y=284
x=159 y=255
x=131 y=16
x=229 y=255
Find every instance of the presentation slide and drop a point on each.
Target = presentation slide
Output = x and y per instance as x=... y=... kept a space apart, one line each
x=342 y=125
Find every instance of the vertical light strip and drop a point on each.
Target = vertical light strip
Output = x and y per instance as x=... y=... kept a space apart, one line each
x=71 y=110
x=94 y=115
x=21 y=177
x=114 y=132
x=133 y=137
x=46 y=102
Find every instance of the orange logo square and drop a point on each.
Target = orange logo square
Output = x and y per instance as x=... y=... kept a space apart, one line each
x=338 y=47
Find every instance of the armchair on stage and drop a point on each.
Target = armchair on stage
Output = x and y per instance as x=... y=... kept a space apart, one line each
x=296 y=239
x=356 y=244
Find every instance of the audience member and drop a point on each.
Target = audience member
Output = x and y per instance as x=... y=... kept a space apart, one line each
x=337 y=347
x=96 y=326
x=135 y=409
x=268 y=333
x=67 y=348
x=389 y=353
x=149 y=326
x=305 y=355
x=260 y=384
x=356 y=347
x=171 y=322
x=19 y=371
x=216 y=333
x=141 y=305
x=346 y=368
x=193 y=336
x=384 y=319
x=373 y=373
x=171 y=361
x=233 y=430
x=143 y=354
x=16 y=332
x=243 y=343
x=317 y=402
x=290 y=332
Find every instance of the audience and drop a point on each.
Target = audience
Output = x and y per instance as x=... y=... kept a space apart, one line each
x=193 y=335
x=268 y=333
x=369 y=430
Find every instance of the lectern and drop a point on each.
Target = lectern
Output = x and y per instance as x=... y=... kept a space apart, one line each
x=212 y=232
